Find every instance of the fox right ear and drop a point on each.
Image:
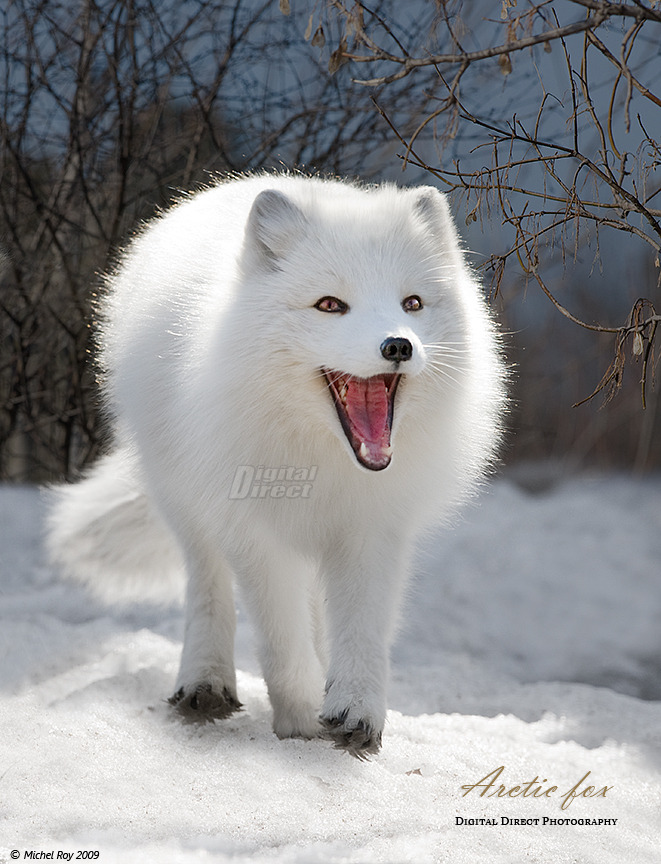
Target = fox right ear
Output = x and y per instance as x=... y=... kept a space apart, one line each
x=274 y=223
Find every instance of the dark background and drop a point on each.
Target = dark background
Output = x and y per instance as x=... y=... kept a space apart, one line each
x=111 y=109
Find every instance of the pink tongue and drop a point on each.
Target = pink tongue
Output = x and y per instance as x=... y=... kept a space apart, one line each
x=367 y=409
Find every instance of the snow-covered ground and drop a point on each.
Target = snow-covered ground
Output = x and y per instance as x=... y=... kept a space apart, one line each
x=532 y=641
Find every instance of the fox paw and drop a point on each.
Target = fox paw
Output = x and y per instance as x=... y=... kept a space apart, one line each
x=202 y=704
x=307 y=726
x=360 y=738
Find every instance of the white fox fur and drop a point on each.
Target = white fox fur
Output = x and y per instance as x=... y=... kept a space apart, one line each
x=216 y=332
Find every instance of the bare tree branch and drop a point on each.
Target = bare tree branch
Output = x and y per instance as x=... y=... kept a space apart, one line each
x=547 y=179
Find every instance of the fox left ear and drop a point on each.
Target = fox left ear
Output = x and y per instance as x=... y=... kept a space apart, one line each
x=432 y=207
x=274 y=223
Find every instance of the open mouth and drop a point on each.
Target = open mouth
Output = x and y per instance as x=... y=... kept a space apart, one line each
x=365 y=408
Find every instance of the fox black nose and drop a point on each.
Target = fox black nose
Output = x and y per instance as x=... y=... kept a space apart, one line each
x=396 y=348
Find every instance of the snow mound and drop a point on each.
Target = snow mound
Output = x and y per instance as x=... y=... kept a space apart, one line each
x=530 y=642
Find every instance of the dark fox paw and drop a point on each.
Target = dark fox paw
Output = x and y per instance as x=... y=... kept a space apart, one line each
x=359 y=739
x=202 y=704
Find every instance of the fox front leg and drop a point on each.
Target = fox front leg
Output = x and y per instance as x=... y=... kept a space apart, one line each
x=364 y=588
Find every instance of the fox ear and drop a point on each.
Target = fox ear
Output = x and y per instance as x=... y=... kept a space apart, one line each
x=274 y=224
x=432 y=208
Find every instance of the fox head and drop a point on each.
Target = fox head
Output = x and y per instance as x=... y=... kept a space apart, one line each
x=365 y=289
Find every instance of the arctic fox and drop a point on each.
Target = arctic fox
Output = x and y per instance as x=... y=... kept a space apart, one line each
x=303 y=376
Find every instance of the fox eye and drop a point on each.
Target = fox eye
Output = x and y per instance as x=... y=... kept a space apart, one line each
x=412 y=303
x=331 y=304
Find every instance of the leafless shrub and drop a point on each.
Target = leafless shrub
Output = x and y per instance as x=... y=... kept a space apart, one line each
x=548 y=120
x=108 y=109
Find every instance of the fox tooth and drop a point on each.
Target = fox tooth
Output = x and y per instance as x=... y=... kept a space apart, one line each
x=364 y=452
x=387 y=451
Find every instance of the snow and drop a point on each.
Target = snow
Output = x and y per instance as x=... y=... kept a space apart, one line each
x=531 y=640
